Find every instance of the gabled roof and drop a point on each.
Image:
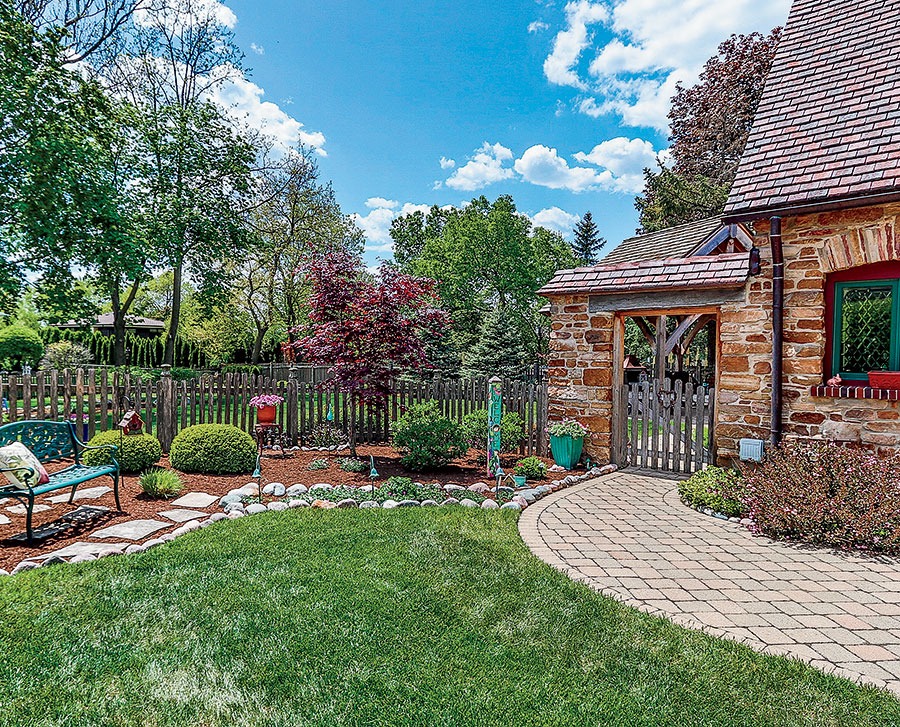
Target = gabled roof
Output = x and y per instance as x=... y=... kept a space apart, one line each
x=693 y=273
x=827 y=130
x=679 y=241
x=105 y=320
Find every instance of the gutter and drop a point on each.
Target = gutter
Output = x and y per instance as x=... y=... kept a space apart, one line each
x=777 y=329
x=805 y=208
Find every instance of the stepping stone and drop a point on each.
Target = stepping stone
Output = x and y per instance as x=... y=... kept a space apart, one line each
x=84 y=514
x=4 y=520
x=195 y=499
x=91 y=493
x=182 y=516
x=21 y=509
x=78 y=516
x=131 y=530
x=80 y=548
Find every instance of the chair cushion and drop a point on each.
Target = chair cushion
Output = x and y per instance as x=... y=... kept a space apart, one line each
x=18 y=458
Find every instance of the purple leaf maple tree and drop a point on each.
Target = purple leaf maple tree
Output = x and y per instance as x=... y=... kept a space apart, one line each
x=367 y=330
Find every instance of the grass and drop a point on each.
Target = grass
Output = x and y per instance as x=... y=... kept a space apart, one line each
x=408 y=617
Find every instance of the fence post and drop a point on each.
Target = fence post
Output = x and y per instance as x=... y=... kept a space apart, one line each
x=165 y=412
x=292 y=405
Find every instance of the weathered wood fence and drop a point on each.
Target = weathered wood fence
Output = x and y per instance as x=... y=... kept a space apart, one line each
x=96 y=399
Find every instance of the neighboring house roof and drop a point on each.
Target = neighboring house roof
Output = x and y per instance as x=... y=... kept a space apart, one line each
x=694 y=273
x=105 y=320
x=827 y=129
x=679 y=241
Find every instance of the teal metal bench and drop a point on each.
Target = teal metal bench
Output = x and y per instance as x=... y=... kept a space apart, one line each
x=52 y=442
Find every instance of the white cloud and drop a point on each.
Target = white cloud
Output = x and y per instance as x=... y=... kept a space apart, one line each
x=244 y=100
x=560 y=67
x=537 y=26
x=654 y=45
x=258 y=49
x=485 y=167
x=625 y=159
x=176 y=14
x=556 y=219
x=543 y=166
x=376 y=225
x=447 y=163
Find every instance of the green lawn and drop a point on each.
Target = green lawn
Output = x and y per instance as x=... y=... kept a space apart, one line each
x=406 y=617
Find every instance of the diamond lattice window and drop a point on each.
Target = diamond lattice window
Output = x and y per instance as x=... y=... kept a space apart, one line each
x=866 y=327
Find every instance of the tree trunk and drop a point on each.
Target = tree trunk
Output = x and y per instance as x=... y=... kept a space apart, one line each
x=257 y=344
x=352 y=425
x=169 y=353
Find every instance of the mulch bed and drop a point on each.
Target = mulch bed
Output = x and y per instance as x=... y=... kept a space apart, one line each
x=289 y=470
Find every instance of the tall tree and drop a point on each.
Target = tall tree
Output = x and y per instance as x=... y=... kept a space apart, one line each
x=484 y=256
x=588 y=243
x=710 y=123
x=367 y=330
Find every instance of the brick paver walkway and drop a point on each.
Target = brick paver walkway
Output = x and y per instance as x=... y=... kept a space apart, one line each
x=629 y=536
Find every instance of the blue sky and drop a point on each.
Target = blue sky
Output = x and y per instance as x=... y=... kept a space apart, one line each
x=417 y=103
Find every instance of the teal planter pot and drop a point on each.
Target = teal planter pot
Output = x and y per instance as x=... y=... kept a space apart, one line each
x=566 y=450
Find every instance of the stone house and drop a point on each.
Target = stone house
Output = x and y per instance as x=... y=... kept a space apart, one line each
x=797 y=284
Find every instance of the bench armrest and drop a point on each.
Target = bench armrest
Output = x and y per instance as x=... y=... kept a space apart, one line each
x=113 y=447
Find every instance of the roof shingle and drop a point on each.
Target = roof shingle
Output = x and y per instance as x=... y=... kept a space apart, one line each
x=828 y=124
x=678 y=241
x=693 y=273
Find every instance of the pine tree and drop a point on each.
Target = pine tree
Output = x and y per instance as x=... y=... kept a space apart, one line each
x=499 y=350
x=588 y=242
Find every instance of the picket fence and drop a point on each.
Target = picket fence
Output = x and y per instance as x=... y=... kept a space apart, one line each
x=95 y=399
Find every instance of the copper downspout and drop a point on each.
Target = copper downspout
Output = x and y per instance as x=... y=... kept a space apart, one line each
x=777 y=328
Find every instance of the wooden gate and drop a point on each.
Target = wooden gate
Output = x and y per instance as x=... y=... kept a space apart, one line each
x=668 y=426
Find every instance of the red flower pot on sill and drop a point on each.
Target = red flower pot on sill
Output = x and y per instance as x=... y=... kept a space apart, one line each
x=265 y=415
x=884 y=379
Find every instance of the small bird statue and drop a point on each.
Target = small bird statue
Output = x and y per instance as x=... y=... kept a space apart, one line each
x=834 y=380
x=373 y=473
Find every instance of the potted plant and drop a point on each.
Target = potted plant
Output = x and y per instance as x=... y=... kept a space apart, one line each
x=566 y=442
x=265 y=407
x=884 y=379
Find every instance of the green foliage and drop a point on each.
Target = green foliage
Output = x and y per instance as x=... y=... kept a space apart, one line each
x=427 y=439
x=532 y=468
x=160 y=482
x=134 y=452
x=213 y=449
x=327 y=434
x=475 y=430
x=588 y=243
x=721 y=490
x=66 y=355
x=350 y=464
x=499 y=350
x=484 y=256
x=19 y=346
x=318 y=464
x=670 y=199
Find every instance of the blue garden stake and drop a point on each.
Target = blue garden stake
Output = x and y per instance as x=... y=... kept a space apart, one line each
x=258 y=471
x=373 y=473
x=330 y=415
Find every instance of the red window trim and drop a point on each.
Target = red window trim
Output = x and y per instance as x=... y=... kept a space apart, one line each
x=889 y=270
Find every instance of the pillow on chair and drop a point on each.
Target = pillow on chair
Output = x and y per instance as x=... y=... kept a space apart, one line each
x=19 y=458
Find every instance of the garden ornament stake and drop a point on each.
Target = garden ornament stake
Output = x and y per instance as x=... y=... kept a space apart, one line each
x=495 y=413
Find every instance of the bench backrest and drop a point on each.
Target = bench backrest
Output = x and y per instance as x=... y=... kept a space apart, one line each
x=50 y=441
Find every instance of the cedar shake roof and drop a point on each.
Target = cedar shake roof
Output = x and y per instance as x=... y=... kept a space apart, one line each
x=693 y=273
x=828 y=124
x=678 y=241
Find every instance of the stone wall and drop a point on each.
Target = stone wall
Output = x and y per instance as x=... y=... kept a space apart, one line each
x=581 y=344
x=814 y=246
x=580 y=370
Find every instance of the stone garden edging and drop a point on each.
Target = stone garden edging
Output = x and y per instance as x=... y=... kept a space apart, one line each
x=234 y=508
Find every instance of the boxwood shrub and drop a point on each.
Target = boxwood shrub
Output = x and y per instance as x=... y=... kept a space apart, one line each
x=720 y=490
x=475 y=430
x=426 y=438
x=134 y=452
x=215 y=449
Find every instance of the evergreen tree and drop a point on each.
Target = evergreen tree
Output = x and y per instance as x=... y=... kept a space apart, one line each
x=499 y=350
x=588 y=242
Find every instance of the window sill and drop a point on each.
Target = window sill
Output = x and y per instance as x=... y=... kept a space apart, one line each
x=855 y=392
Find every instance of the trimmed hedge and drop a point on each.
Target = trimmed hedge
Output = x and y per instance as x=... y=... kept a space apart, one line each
x=134 y=452
x=214 y=449
x=426 y=438
x=20 y=345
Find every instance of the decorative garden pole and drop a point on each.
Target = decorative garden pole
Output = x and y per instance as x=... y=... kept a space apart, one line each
x=495 y=412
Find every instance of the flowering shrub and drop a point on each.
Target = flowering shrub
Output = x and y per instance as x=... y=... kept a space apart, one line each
x=327 y=434
x=829 y=495
x=567 y=428
x=261 y=400
x=719 y=489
